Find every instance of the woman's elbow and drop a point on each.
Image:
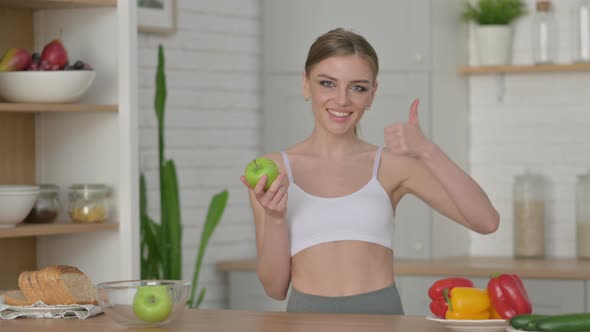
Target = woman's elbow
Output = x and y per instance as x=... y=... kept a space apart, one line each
x=277 y=294
x=274 y=288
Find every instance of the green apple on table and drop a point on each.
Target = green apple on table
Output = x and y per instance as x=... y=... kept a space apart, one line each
x=259 y=167
x=152 y=303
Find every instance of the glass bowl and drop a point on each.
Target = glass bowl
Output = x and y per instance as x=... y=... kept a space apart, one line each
x=143 y=303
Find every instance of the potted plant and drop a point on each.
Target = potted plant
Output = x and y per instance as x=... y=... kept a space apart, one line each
x=161 y=243
x=493 y=30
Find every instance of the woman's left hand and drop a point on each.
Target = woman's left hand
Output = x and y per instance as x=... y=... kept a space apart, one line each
x=407 y=139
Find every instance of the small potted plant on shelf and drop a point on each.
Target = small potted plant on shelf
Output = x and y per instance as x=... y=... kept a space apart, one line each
x=493 y=28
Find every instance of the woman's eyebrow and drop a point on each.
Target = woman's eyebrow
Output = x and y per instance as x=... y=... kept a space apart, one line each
x=335 y=79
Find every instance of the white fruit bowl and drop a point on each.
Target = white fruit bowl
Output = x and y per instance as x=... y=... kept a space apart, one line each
x=15 y=203
x=143 y=303
x=58 y=86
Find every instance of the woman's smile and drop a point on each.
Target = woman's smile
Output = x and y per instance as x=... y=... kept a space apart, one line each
x=339 y=116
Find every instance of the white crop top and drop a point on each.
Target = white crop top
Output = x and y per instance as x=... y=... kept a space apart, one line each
x=365 y=215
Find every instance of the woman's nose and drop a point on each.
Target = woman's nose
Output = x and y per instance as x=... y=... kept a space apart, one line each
x=342 y=97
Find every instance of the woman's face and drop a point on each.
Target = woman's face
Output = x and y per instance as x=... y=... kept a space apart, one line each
x=340 y=89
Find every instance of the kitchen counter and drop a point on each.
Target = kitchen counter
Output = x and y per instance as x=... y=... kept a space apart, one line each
x=243 y=321
x=548 y=268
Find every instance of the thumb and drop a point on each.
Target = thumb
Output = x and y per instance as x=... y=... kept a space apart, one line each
x=413 y=119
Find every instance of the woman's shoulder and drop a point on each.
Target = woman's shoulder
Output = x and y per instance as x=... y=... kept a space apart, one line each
x=276 y=157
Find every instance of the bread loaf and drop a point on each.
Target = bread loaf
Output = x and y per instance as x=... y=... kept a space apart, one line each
x=33 y=279
x=73 y=286
x=24 y=283
x=54 y=285
x=15 y=297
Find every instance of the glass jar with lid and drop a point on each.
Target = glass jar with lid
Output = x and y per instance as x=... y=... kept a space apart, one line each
x=581 y=35
x=544 y=33
x=529 y=216
x=47 y=205
x=583 y=215
x=89 y=203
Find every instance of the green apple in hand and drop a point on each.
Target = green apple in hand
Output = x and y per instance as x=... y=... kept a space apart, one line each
x=152 y=303
x=259 y=167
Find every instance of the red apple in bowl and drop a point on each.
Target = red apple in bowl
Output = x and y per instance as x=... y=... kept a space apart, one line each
x=54 y=56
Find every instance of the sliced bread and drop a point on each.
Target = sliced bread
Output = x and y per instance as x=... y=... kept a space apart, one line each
x=24 y=283
x=72 y=285
x=48 y=286
x=33 y=279
x=16 y=297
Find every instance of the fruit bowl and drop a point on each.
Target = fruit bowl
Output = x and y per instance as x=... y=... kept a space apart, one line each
x=143 y=303
x=52 y=86
x=15 y=203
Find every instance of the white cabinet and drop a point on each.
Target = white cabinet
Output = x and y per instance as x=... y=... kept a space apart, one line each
x=557 y=296
x=414 y=293
x=91 y=141
x=419 y=43
x=246 y=293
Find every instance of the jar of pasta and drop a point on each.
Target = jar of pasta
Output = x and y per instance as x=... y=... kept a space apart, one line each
x=529 y=216
x=88 y=203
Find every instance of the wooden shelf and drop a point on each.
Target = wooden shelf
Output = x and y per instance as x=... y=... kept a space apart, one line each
x=524 y=69
x=47 y=4
x=23 y=230
x=43 y=108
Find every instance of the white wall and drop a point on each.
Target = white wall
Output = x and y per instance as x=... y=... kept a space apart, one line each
x=212 y=124
x=543 y=125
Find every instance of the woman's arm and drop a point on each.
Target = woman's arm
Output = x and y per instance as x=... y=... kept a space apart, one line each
x=437 y=180
x=272 y=235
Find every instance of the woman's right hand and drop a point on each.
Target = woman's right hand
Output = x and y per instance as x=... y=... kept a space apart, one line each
x=274 y=200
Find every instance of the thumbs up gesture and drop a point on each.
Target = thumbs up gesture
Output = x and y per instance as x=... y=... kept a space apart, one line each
x=407 y=139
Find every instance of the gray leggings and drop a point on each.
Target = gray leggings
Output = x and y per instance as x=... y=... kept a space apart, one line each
x=382 y=301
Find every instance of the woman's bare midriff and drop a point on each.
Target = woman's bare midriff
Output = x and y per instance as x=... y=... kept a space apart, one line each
x=342 y=268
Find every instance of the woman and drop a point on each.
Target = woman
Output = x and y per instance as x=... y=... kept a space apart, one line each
x=325 y=224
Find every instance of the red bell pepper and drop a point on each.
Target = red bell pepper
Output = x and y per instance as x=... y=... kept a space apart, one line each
x=438 y=305
x=508 y=295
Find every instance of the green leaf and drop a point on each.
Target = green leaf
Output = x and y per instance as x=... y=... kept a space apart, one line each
x=201 y=297
x=149 y=241
x=160 y=98
x=214 y=214
x=174 y=224
x=160 y=104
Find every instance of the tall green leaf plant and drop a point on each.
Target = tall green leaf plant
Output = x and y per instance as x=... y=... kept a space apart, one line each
x=161 y=244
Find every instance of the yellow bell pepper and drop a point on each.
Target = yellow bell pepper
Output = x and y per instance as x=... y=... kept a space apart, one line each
x=494 y=314
x=468 y=303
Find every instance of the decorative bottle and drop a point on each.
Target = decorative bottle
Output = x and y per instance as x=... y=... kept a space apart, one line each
x=544 y=34
x=581 y=35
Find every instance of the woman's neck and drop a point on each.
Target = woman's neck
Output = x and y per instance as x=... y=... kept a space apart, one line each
x=324 y=144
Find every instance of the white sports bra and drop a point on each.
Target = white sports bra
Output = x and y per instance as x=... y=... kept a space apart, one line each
x=365 y=215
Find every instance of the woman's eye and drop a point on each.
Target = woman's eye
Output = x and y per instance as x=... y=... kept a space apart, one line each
x=358 y=88
x=327 y=84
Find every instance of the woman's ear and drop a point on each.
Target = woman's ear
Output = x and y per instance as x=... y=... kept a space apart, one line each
x=375 y=86
x=306 y=92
